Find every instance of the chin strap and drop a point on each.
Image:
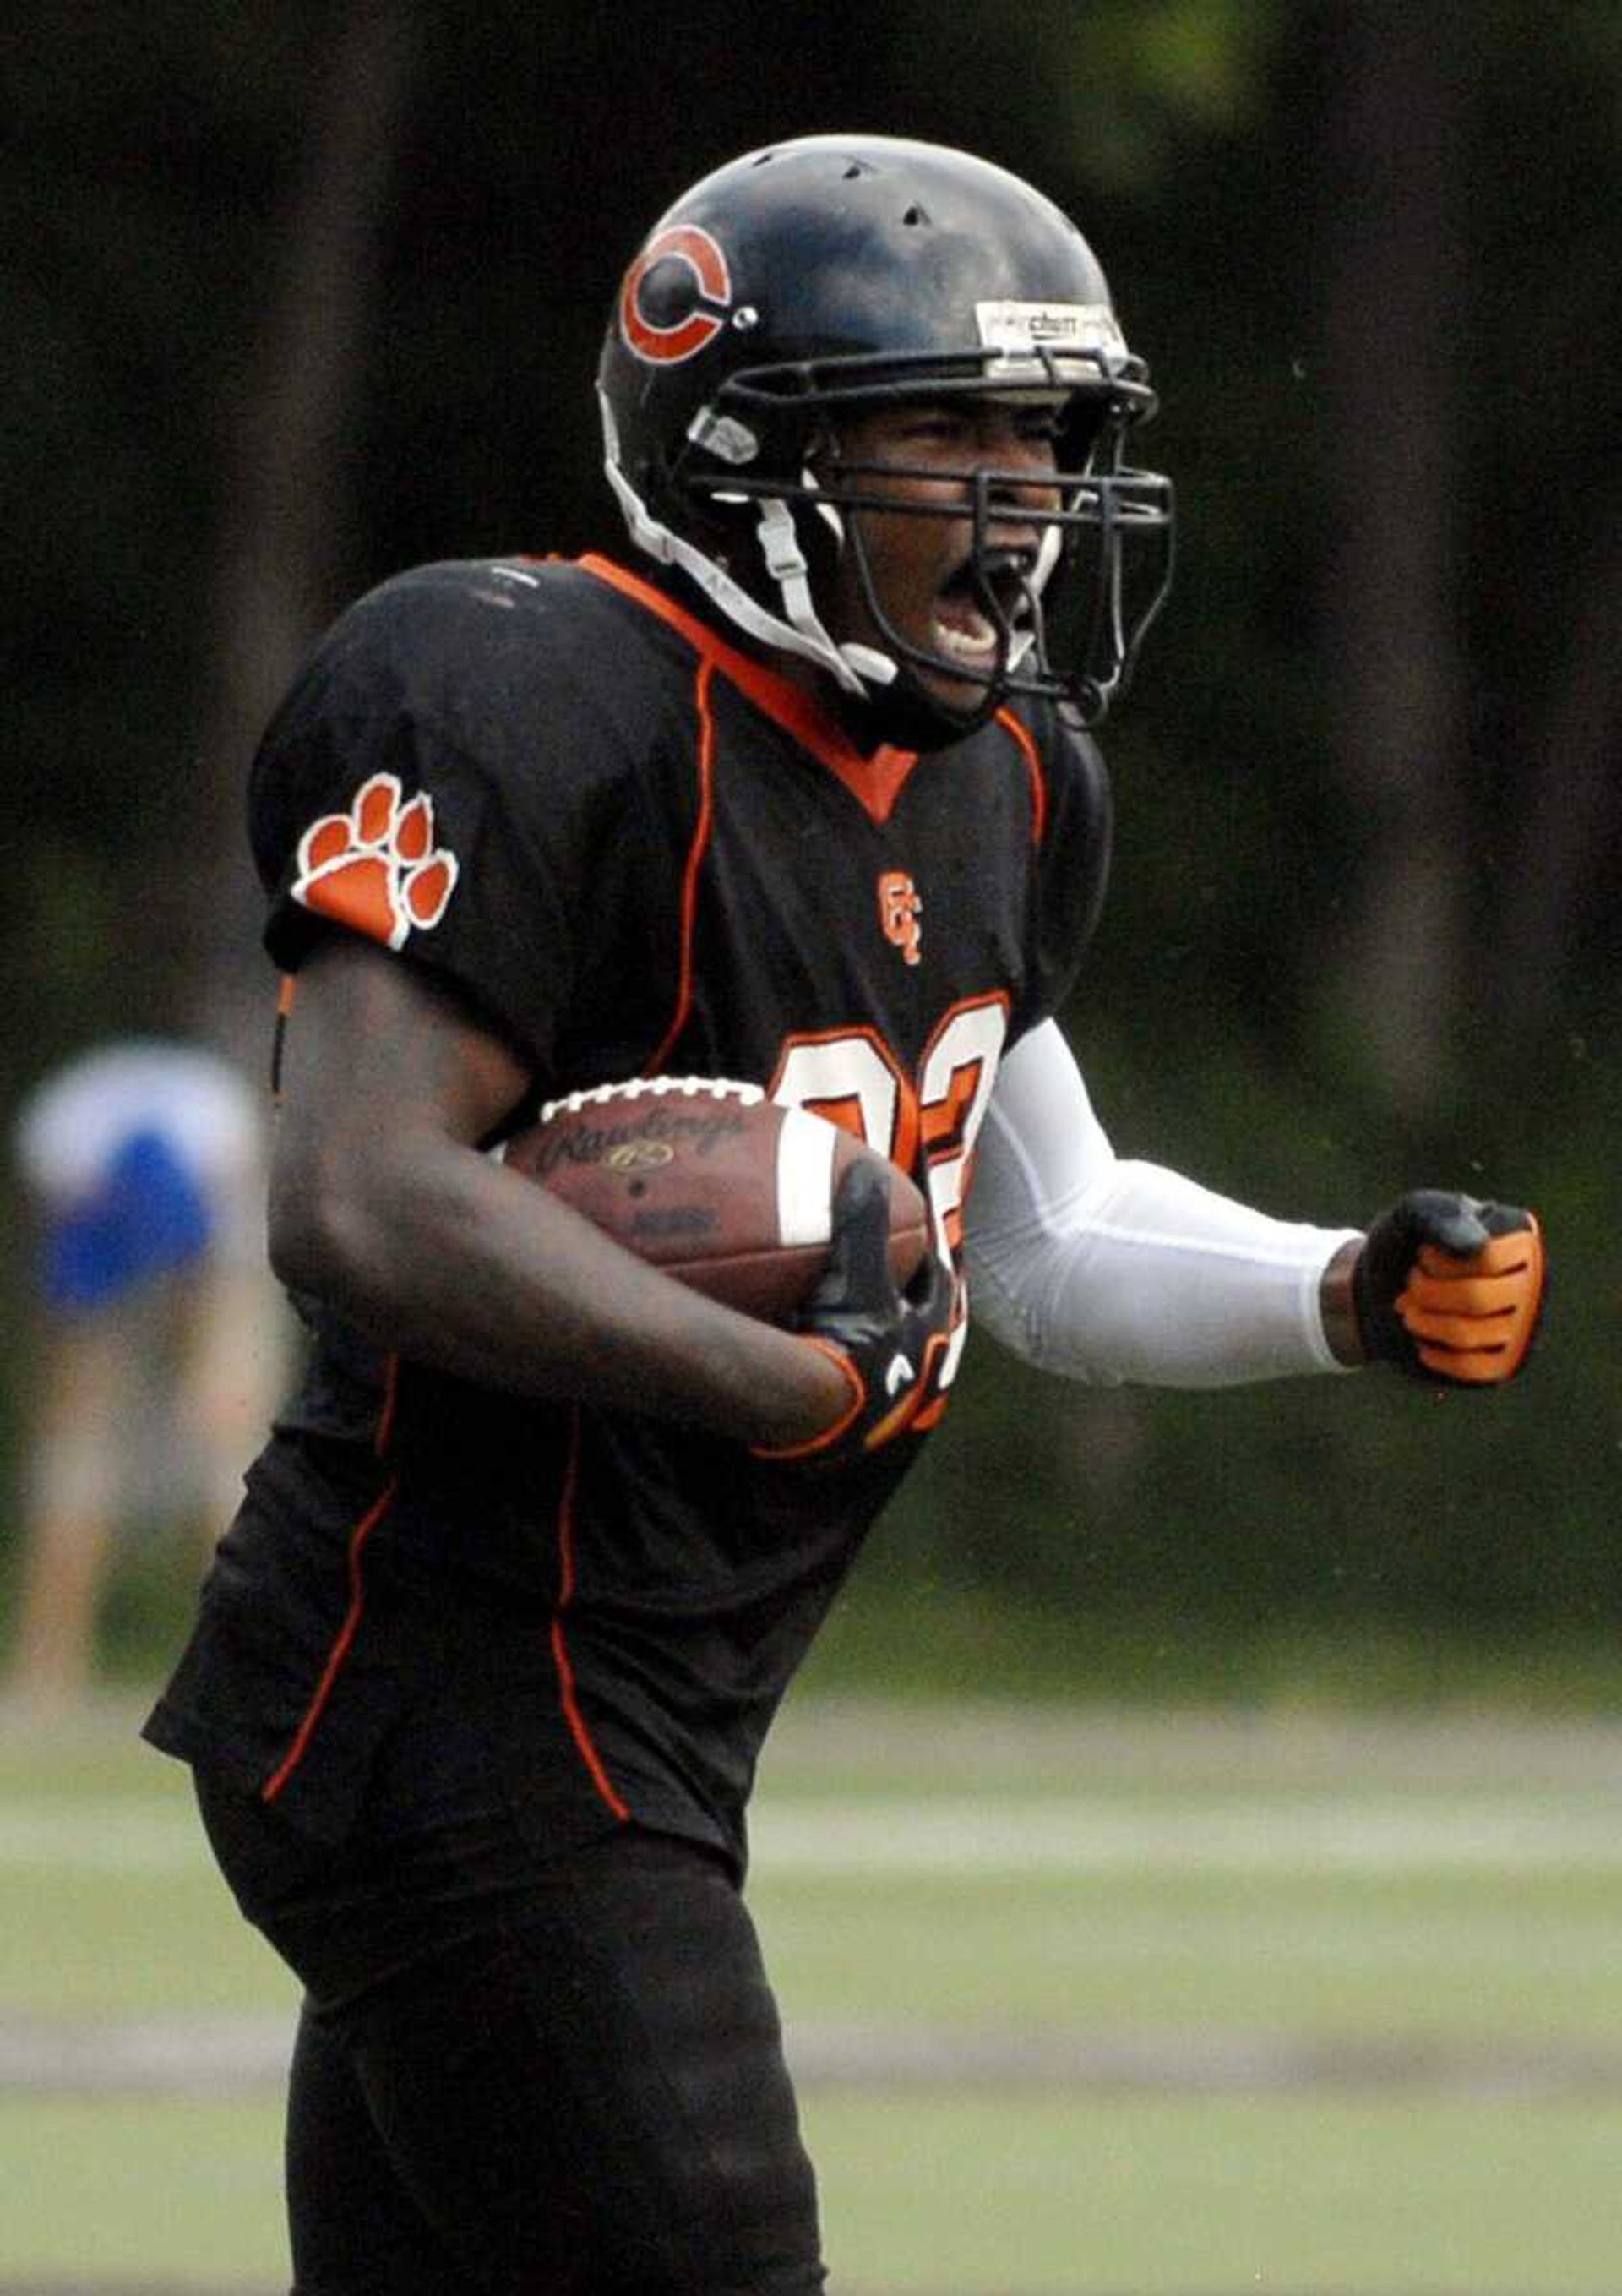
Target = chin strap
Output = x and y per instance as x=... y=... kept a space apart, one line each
x=669 y=549
x=785 y=563
x=1047 y=558
x=904 y=716
x=857 y=668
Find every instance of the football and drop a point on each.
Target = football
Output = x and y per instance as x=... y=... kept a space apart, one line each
x=713 y=1183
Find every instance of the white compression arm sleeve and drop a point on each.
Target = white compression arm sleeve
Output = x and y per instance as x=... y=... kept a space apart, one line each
x=1107 y=1270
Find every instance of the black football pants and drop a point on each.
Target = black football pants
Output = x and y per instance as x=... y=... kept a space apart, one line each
x=526 y=2077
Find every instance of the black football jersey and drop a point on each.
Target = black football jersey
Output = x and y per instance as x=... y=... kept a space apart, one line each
x=632 y=849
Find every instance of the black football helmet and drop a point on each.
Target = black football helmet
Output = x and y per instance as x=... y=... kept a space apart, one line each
x=841 y=273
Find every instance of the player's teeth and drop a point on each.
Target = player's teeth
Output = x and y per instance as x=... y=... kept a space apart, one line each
x=977 y=638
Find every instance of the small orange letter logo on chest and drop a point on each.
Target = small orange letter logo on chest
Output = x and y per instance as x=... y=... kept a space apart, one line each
x=899 y=910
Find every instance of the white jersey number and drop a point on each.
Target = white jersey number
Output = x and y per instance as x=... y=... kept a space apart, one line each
x=852 y=1077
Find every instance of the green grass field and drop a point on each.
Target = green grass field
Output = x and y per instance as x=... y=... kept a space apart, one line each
x=1182 y=2005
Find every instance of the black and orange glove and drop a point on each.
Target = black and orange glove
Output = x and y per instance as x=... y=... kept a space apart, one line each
x=1450 y=1290
x=886 y=1341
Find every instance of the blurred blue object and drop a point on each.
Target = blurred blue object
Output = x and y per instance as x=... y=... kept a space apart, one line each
x=149 y=1216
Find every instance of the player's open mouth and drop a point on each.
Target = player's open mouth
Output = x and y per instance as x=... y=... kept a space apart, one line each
x=964 y=626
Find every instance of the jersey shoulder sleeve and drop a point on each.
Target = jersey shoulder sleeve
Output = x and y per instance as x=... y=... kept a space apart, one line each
x=443 y=776
x=1073 y=857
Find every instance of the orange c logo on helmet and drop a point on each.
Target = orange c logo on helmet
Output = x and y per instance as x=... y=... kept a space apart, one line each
x=683 y=243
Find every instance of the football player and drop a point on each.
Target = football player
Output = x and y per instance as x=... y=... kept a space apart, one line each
x=805 y=794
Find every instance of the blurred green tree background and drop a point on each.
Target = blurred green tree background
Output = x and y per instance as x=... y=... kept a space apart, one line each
x=310 y=290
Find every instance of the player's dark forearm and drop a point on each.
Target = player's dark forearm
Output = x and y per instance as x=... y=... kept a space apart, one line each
x=382 y=1208
x=437 y=1252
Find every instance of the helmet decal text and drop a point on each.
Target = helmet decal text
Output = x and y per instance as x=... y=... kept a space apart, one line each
x=666 y=342
x=1025 y=330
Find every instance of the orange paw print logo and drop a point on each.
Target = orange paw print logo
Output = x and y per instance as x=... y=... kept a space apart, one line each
x=376 y=868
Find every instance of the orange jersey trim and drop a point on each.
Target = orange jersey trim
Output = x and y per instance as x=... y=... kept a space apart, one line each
x=287 y=989
x=876 y=782
x=1037 y=779
x=579 y=1729
x=696 y=852
x=340 y=1649
x=346 y=1633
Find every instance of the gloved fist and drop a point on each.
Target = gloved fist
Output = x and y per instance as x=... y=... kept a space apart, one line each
x=885 y=1341
x=1449 y=1289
